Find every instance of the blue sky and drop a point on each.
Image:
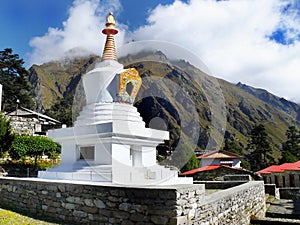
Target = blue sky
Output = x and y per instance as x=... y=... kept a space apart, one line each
x=256 y=42
x=21 y=20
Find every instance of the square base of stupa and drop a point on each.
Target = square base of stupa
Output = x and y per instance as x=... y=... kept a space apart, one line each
x=115 y=150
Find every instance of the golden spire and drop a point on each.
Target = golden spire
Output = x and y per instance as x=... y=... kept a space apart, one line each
x=109 y=52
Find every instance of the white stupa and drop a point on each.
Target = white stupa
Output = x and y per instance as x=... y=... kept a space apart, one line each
x=109 y=141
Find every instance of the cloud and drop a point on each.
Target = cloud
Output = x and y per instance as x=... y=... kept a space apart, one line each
x=80 y=33
x=237 y=39
x=234 y=39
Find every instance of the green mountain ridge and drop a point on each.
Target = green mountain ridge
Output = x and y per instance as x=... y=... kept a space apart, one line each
x=289 y=107
x=243 y=108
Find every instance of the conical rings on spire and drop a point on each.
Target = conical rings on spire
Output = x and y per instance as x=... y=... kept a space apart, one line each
x=109 y=52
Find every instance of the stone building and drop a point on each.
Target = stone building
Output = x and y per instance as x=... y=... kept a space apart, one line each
x=27 y=122
x=285 y=175
x=218 y=164
x=218 y=173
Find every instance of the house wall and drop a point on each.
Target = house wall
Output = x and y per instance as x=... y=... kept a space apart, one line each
x=79 y=203
x=25 y=125
x=217 y=174
x=207 y=162
x=284 y=179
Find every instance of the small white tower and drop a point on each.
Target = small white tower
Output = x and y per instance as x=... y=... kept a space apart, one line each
x=109 y=141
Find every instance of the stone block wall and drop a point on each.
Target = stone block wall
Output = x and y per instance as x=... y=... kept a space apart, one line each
x=25 y=125
x=272 y=190
x=232 y=206
x=219 y=184
x=220 y=173
x=81 y=203
x=238 y=177
x=290 y=193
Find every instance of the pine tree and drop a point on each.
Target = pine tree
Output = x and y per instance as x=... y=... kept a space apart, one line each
x=233 y=146
x=260 y=148
x=291 y=148
x=13 y=77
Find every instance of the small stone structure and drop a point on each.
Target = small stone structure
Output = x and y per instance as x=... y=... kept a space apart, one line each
x=96 y=203
x=27 y=122
x=272 y=190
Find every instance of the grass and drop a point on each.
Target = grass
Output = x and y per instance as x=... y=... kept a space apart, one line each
x=8 y=217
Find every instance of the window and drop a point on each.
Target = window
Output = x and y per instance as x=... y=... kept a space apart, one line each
x=226 y=162
x=292 y=180
x=87 y=152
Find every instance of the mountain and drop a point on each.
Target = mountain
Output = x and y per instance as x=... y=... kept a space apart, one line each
x=289 y=107
x=58 y=79
x=183 y=97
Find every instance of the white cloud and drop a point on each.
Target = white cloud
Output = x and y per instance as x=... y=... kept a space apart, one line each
x=231 y=37
x=82 y=30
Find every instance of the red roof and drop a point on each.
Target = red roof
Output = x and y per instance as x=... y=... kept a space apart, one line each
x=280 y=168
x=201 y=169
x=207 y=168
x=220 y=154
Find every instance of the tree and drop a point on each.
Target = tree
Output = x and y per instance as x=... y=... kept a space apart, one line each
x=260 y=148
x=193 y=163
x=6 y=135
x=33 y=146
x=14 y=78
x=293 y=139
x=62 y=110
x=233 y=146
x=291 y=148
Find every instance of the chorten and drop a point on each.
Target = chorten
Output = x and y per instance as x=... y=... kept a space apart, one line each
x=109 y=141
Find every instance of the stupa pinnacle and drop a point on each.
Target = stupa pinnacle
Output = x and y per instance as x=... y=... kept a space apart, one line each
x=109 y=52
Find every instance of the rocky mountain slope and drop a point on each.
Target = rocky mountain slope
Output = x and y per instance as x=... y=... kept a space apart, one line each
x=289 y=107
x=170 y=91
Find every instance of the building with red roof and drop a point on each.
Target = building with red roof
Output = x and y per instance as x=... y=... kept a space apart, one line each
x=220 y=157
x=217 y=164
x=216 y=173
x=284 y=175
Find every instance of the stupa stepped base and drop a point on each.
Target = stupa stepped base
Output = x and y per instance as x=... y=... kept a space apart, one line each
x=107 y=112
x=84 y=175
x=156 y=175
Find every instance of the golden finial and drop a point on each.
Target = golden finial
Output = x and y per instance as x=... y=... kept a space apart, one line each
x=110 y=20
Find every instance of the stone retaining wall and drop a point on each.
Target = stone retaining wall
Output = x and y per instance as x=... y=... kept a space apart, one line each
x=233 y=206
x=83 y=203
x=272 y=190
x=220 y=184
x=290 y=193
